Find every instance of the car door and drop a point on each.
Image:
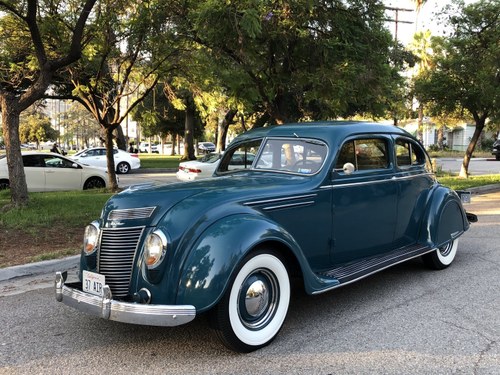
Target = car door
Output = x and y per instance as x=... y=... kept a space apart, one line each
x=414 y=179
x=34 y=171
x=364 y=200
x=61 y=175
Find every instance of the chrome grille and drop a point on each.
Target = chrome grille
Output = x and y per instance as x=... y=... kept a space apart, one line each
x=131 y=213
x=116 y=257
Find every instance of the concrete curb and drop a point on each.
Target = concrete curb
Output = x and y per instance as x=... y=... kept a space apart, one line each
x=39 y=268
x=484 y=189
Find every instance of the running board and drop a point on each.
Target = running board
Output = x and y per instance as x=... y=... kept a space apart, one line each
x=354 y=271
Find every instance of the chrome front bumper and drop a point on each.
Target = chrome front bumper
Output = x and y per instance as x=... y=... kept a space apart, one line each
x=126 y=312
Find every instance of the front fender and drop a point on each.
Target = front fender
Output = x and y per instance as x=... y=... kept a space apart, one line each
x=445 y=217
x=217 y=253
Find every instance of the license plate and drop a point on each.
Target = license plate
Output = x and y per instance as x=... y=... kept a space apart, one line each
x=93 y=283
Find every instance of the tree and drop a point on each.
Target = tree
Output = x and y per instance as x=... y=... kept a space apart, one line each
x=80 y=126
x=38 y=38
x=423 y=47
x=466 y=77
x=298 y=59
x=37 y=128
x=123 y=63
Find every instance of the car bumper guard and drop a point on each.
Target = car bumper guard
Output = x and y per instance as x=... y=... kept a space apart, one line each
x=125 y=312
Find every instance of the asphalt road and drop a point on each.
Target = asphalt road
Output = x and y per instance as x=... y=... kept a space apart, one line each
x=477 y=166
x=404 y=320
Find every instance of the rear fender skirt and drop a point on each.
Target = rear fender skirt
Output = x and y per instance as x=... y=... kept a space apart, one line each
x=445 y=218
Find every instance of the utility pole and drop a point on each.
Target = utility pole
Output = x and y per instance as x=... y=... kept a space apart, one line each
x=396 y=19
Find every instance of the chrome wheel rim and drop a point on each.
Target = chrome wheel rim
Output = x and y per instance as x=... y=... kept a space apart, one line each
x=258 y=299
x=446 y=249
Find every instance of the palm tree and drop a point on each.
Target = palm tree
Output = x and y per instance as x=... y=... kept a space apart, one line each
x=418 y=5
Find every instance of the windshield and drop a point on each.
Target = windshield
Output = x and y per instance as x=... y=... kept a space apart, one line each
x=302 y=156
x=292 y=155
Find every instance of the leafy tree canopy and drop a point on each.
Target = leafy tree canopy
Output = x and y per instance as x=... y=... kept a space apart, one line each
x=36 y=127
x=299 y=59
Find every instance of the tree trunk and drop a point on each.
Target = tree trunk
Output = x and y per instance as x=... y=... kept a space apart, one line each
x=189 y=131
x=420 y=126
x=10 y=125
x=113 y=183
x=261 y=121
x=223 y=129
x=480 y=121
x=440 y=137
x=120 y=139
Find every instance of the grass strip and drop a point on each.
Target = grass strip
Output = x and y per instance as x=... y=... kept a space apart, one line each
x=71 y=208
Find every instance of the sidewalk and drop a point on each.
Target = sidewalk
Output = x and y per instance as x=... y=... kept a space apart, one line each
x=49 y=267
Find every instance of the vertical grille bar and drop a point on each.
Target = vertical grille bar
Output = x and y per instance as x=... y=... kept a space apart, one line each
x=117 y=251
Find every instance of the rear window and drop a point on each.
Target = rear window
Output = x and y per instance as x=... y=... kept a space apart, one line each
x=364 y=154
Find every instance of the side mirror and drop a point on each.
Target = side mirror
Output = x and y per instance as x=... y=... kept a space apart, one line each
x=348 y=168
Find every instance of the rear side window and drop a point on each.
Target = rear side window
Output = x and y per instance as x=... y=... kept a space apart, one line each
x=408 y=153
x=364 y=154
x=33 y=161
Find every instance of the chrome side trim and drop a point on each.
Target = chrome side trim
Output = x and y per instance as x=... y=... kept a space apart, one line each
x=125 y=312
x=131 y=213
x=392 y=179
x=276 y=200
x=289 y=205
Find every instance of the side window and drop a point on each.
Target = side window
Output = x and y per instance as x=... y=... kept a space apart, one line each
x=364 y=154
x=33 y=161
x=240 y=158
x=408 y=153
x=55 y=162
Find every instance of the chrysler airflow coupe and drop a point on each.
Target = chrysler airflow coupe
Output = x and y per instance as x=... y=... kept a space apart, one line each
x=324 y=203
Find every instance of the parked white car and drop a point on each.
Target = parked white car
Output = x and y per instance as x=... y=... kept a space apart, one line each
x=205 y=167
x=196 y=169
x=96 y=156
x=51 y=172
x=145 y=146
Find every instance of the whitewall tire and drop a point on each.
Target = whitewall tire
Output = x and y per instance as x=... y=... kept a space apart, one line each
x=254 y=307
x=443 y=256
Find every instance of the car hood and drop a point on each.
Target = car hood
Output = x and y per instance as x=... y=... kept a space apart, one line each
x=182 y=202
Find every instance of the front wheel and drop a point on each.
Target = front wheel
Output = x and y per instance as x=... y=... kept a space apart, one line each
x=255 y=305
x=441 y=257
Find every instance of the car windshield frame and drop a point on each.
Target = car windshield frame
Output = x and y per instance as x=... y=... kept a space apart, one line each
x=299 y=146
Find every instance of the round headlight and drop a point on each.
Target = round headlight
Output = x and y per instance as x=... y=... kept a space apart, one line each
x=155 y=248
x=90 y=239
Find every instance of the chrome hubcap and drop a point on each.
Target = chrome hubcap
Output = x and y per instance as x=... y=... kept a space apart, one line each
x=258 y=299
x=446 y=249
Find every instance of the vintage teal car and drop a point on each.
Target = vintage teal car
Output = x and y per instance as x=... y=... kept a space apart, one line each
x=327 y=203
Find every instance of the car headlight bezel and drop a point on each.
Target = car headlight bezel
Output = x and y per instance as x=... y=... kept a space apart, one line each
x=155 y=248
x=91 y=238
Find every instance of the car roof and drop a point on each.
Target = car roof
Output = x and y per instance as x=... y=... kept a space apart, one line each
x=327 y=130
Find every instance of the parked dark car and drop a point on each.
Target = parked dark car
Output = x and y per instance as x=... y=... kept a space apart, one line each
x=326 y=203
x=206 y=147
x=496 y=149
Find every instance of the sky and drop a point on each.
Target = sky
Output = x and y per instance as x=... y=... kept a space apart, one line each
x=427 y=18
